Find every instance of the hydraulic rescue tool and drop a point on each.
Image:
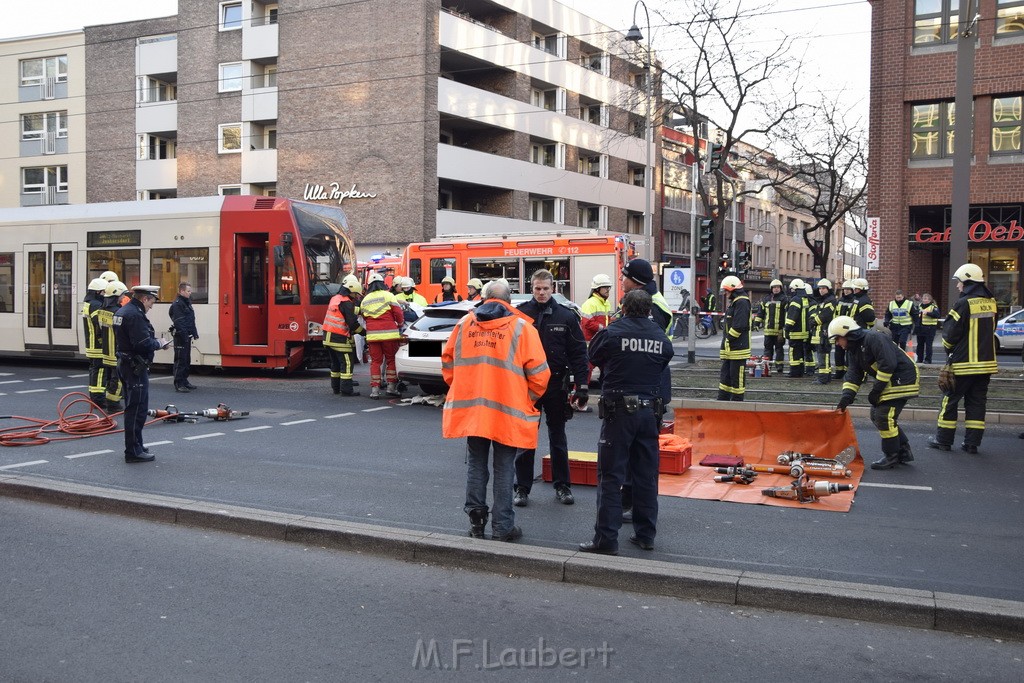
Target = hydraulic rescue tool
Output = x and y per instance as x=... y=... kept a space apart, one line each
x=806 y=463
x=221 y=413
x=735 y=475
x=806 y=490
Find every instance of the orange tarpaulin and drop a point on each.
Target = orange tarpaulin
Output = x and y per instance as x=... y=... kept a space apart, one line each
x=758 y=438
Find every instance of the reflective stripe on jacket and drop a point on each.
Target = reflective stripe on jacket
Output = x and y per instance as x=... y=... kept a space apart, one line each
x=896 y=376
x=736 y=340
x=383 y=315
x=597 y=313
x=968 y=335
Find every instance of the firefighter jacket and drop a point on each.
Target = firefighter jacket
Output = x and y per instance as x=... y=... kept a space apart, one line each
x=597 y=313
x=412 y=297
x=863 y=312
x=134 y=333
x=105 y=320
x=183 y=317
x=496 y=371
x=872 y=352
x=812 y=310
x=382 y=316
x=710 y=302
x=928 y=315
x=901 y=314
x=968 y=335
x=561 y=337
x=846 y=305
x=796 y=317
x=772 y=312
x=341 y=321
x=824 y=311
x=736 y=340
x=632 y=354
x=94 y=337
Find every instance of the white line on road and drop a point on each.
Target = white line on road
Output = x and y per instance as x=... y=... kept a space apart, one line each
x=331 y=417
x=73 y=386
x=158 y=443
x=11 y=381
x=43 y=379
x=29 y=391
x=24 y=464
x=373 y=410
x=254 y=429
x=159 y=379
x=203 y=436
x=84 y=374
x=898 y=486
x=86 y=455
x=297 y=422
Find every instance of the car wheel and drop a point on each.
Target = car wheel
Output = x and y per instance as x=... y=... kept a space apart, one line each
x=999 y=347
x=433 y=388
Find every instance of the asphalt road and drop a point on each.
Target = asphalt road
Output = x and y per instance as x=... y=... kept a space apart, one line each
x=92 y=597
x=954 y=524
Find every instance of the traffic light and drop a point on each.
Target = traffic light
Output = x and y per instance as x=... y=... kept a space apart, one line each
x=742 y=263
x=713 y=162
x=724 y=266
x=707 y=236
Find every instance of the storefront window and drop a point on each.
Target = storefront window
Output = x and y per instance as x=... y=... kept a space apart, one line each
x=1002 y=275
x=170 y=267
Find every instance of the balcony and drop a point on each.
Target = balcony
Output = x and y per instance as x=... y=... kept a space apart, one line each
x=156 y=174
x=156 y=117
x=259 y=104
x=156 y=56
x=259 y=41
x=259 y=166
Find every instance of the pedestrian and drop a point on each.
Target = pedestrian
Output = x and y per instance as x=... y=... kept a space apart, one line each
x=497 y=372
x=447 y=292
x=925 y=326
x=114 y=297
x=473 y=289
x=711 y=306
x=341 y=324
x=94 y=339
x=846 y=305
x=796 y=327
x=824 y=312
x=899 y=318
x=968 y=335
x=871 y=352
x=681 y=330
x=562 y=339
x=136 y=342
x=597 y=311
x=383 y=320
x=772 y=314
x=410 y=294
x=183 y=331
x=735 y=348
x=632 y=354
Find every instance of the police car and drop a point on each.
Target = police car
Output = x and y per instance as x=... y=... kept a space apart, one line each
x=1010 y=332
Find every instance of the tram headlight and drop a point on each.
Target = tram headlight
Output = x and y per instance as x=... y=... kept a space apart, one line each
x=314 y=329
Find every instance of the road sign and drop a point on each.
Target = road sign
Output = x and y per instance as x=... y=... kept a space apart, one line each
x=674 y=281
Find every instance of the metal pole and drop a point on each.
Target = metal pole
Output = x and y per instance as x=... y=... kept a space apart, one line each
x=691 y=340
x=963 y=144
x=649 y=137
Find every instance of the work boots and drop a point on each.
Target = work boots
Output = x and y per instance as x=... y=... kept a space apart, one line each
x=392 y=389
x=905 y=455
x=477 y=522
x=374 y=392
x=886 y=462
x=336 y=385
x=346 y=388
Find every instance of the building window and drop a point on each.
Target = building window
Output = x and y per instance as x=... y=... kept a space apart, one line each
x=1006 y=120
x=41 y=179
x=548 y=43
x=154 y=147
x=229 y=138
x=1009 y=18
x=635 y=223
x=154 y=90
x=36 y=71
x=229 y=190
x=270 y=137
x=590 y=165
x=170 y=267
x=542 y=210
x=545 y=99
x=595 y=61
x=39 y=126
x=935 y=21
x=230 y=16
x=543 y=153
x=676 y=198
x=636 y=176
x=589 y=216
x=230 y=77
x=931 y=130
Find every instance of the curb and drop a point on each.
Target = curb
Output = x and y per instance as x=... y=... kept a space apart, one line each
x=972 y=615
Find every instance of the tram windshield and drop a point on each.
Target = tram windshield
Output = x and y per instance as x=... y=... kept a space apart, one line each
x=329 y=251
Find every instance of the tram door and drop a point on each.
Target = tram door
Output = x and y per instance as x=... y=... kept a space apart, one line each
x=251 y=315
x=51 y=297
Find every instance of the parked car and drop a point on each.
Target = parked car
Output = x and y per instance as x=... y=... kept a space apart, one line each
x=419 y=360
x=1010 y=332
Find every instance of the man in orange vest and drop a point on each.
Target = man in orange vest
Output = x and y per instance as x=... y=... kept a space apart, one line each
x=340 y=324
x=496 y=369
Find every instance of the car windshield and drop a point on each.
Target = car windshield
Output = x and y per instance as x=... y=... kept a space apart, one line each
x=438 y=319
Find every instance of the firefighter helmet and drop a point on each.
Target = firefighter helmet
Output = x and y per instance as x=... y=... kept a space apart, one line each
x=775 y=283
x=408 y=283
x=847 y=284
x=969 y=272
x=109 y=276
x=351 y=283
x=796 y=284
x=808 y=289
x=374 y=277
x=840 y=326
x=825 y=282
x=861 y=284
x=731 y=282
x=115 y=288
x=475 y=283
x=448 y=281
x=98 y=285
x=600 y=280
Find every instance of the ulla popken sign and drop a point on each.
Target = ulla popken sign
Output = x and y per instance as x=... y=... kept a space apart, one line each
x=980 y=231
x=333 y=192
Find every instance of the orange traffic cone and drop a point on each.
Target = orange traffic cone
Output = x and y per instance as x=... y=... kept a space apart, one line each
x=910 y=348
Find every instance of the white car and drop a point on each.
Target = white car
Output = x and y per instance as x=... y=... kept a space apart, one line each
x=419 y=360
x=1010 y=332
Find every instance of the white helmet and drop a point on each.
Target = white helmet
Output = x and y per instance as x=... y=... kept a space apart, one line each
x=475 y=283
x=969 y=272
x=351 y=283
x=115 y=288
x=600 y=280
x=374 y=277
x=807 y=288
x=98 y=285
x=840 y=326
x=109 y=276
x=408 y=283
x=860 y=283
x=825 y=282
x=731 y=282
x=847 y=284
x=796 y=284
x=775 y=283
x=448 y=281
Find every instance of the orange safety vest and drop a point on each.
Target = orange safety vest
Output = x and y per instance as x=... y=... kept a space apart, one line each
x=334 y=321
x=496 y=370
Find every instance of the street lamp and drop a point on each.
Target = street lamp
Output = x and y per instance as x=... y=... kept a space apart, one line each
x=635 y=36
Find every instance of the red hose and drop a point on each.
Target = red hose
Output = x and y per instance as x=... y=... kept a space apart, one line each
x=92 y=421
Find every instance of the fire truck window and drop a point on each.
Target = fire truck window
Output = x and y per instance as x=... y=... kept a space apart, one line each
x=7 y=283
x=492 y=269
x=286 y=282
x=124 y=262
x=416 y=269
x=440 y=268
x=558 y=267
x=168 y=268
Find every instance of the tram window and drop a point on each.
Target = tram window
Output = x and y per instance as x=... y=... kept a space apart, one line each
x=7 y=283
x=441 y=268
x=170 y=267
x=286 y=280
x=124 y=262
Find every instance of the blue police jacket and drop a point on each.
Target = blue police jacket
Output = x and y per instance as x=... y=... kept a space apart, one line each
x=133 y=333
x=183 y=317
x=632 y=353
x=562 y=339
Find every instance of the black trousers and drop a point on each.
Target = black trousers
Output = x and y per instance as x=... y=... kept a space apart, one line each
x=973 y=390
x=136 y=400
x=885 y=416
x=900 y=335
x=554 y=406
x=775 y=349
x=925 y=339
x=731 y=380
x=182 y=359
x=628 y=444
x=797 y=353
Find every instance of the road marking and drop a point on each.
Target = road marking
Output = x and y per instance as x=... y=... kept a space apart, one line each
x=24 y=464
x=86 y=455
x=297 y=422
x=73 y=386
x=898 y=486
x=203 y=436
x=373 y=410
x=84 y=374
x=331 y=417
x=42 y=379
x=158 y=443
x=29 y=391
x=253 y=429
x=6 y=374
x=159 y=379
x=11 y=381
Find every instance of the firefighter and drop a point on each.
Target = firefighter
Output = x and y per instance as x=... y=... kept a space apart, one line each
x=968 y=335
x=796 y=327
x=810 y=363
x=865 y=311
x=340 y=325
x=899 y=318
x=846 y=305
x=597 y=311
x=871 y=352
x=473 y=289
x=94 y=339
x=735 y=348
x=109 y=276
x=447 y=292
x=383 y=320
x=112 y=301
x=409 y=292
x=772 y=314
x=824 y=312
x=925 y=325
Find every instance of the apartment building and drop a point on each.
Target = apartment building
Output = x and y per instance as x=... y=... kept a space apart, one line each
x=42 y=120
x=913 y=84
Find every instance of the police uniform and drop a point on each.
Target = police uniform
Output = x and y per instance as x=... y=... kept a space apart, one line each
x=136 y=342
x=772 y=313
x=735 y=347
x=632 y=353
x=899 y=318
x=183 y=318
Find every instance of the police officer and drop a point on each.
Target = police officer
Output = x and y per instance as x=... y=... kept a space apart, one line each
x=796 y=327
x=632 y=352
x=846 y=305
x=772 y=313
x=341 y=323
x=735 y=348
x=183 y=326
x=94 y=339
x=899 y=318
x=824 y=312
x=562 y=339
x=136 y=343
x=924 y=327
x=871 y=352
x=968 y=335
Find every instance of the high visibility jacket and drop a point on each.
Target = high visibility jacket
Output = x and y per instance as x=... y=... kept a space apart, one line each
x=896 y=376
x=382 y=315
x=710 y=302
x=413 y=297
x=105 y=321
x=90 y=325
x=597 y=313
x=736 y=340
x=864 y=311
x=929 y=314
x=496 y=371
x=341 y=322
x=968 y=335
x=900 y=314
x=823 y=313
x=661 y=312
x=812 y=321
x=772 y=312
x=446 y=296
x=796 y=317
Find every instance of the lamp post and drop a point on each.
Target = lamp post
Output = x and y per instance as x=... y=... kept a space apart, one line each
x=635 y=36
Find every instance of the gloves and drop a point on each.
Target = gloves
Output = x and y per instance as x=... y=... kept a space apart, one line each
x=195 y=336
x=876 y=394
x=582 y=396
x=845 y=400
